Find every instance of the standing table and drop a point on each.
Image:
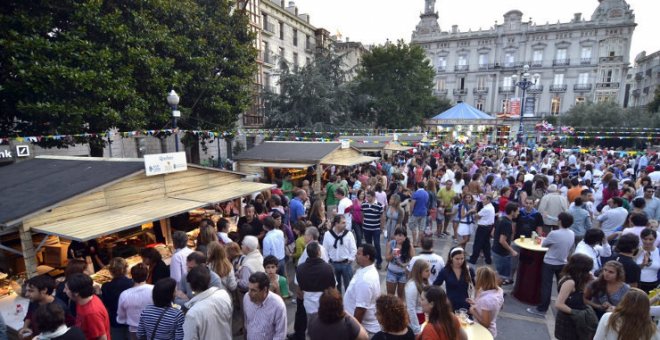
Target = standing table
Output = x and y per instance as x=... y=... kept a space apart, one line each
x=527 y=288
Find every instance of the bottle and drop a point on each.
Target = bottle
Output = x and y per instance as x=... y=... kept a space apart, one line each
x=19 y=309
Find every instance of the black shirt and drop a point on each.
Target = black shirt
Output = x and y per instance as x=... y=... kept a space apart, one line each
x=74 y=333
x=386 y=336
x=257 y=226
x=527 y=222
x=503 y=227
x=110 y=296
x=630 y=268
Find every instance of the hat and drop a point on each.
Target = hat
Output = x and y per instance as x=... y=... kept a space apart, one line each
x=552 y=188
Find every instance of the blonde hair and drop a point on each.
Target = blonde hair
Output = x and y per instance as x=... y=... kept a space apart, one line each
x=486 y=279
x=631 y=318
x=416 y=274
x=217 y=259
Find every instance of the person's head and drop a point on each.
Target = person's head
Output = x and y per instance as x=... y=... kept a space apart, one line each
x=486 y=279
x=199 y=278
x=276 y=220
x=299 y=228
x=420 y=273
x=223 y=225
x=449 y=184
x=339 y=222
x=207 y=235
x=150 y=256
x=436 y=304
x=529 y=203
x=578 y=201
x=195 y=259
x=617 y=202
x=371 y=196
x=594 y=236
x=38 y=288
x=648 y=237
x=50 y=317
x=311 y=234
x=575 y=182
x=427 y=244
x=468 y=199
x=339 y=193
x=163 y=292
x=269 y=223
x=249 y=244
x=366 y=255
x=317 y=209
x=579 y=269
x=270 y=264
x=631 y=316
x=627 y=243
x=180 y=239
x=395 y=201
x=401 y=237
x=639 y=203
x=233 y=250
x=391 y=313
x=639 y=219
x=511 y=210
x=648 y=192
x=313 y=250
x=331 y=306
x=139 y=273
x=613 y=185
x=75 y=266
x=249 y=212
x=587 y=195
x=612 y=271
x=258 y=287
x=118 y=267
x=565 y=220
x=79 y=287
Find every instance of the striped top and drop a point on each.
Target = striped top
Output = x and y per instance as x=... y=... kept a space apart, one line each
x=170 y=326
x=267 y=320
x=371 y=214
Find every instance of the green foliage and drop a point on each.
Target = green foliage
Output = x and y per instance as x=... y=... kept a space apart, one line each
x=439 y=106
x=654 y=106
x=398 y=80
x=86 y=66
x=608 y=115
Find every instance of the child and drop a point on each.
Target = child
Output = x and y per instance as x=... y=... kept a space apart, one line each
x=278 y=284
x=454 y=217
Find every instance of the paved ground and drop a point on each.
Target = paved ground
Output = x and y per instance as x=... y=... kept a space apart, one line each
x=513 y=321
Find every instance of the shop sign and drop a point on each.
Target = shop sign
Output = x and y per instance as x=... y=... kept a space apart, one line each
x=164 y=163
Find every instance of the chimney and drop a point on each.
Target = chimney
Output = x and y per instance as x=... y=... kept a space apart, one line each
x=577 y=17
x=347 y=39
x=454 y=29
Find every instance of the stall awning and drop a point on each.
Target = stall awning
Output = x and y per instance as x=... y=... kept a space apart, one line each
x=224 y=193
x=351 y=161
x=95 y=225
x=282 y=165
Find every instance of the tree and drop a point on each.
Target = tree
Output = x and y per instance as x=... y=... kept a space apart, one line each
x=439 y=105
x=71 y=67
x=398 y=80
x=654 y=105
x=609 y=115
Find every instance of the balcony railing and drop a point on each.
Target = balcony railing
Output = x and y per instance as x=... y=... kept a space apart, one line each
x=536 y=63
x=582 y=87
x=461 y=67
x=486 y=66
x=561 y=62
x=636 y=92
x=610 y=85
x=480 y=90
x=441 y=92
x=506 y=89
x=512 y=66
x=269 y=28
x=558 y=88
x=535 y=89
x=253 y=120
x=585 y=61
x=460 y=92
x=611 y=59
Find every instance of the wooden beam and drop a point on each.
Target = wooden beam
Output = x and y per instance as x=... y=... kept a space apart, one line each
x=29 y=253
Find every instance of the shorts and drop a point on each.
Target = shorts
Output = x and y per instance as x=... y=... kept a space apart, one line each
x=464 y=229
x=417 y=222
x=394 y=277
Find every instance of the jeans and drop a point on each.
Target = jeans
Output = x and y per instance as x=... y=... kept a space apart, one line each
x=547 y=271
x=357 y=230
x=300 y=323
x=373 y=237
x=481 y=243
x=343 y=274
x=502 y=265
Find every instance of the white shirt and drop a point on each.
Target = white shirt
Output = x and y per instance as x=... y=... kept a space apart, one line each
x=362 y=292
x=413 y=306
x=345 y=251
x=344 y=204
x=486 y=215
x=209 y=316
x=595 y=253
x=612 y=219
x=178 y=267
x=650 y=273
x=274 y=244
x=435 y=262
x=132 y=302
x=224 y=237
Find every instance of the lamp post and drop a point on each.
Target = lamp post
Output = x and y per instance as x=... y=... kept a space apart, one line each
x=173 y=100
x=524 y=84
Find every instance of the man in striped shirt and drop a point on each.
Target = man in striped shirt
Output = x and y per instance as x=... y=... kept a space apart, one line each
x=264 y=311
x=373 y=217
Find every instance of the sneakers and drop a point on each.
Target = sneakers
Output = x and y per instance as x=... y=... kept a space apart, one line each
x=533 y=310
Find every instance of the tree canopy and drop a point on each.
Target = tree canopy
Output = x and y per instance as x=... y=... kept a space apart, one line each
x=609 y=114
x=70 y=67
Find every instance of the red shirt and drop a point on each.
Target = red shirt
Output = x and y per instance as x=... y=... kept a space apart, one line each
x=501 y=205
x=93 y=319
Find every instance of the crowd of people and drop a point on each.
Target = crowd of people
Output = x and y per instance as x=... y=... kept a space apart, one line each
x=322 y=250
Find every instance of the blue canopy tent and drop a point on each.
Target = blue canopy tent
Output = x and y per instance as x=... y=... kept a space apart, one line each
x=462 y=114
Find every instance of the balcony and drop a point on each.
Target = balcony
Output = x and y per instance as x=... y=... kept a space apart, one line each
x=558 y=88
x=561 y=62
x=441 y=69
x=460 y=92
x=310 y=46
x=506 y=89
x=639 y=75
x=483 y=67
x=536 y=63
x=582 y=87
x=610 y=85
x=538 y=89
x=461 y=67
x=585 y=61
x=612 y=59
x=268 y=58
x=269 y=28
x=480 y=90
x=441 y=92
x=253 y=120
x=636 y=92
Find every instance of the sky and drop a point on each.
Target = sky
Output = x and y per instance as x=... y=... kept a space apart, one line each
x=375 y=21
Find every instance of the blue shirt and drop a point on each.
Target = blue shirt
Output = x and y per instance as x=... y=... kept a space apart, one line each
x=421 y=198
x=296 y=209
x=457 y=288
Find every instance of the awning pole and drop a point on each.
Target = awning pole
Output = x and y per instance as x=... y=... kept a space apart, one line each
x=29 y=254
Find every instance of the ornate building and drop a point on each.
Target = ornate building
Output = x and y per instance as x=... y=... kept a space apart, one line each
x=580 y=60
x=643 y=79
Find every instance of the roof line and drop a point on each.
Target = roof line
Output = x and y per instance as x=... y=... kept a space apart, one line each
x=309 y=142
x=92 y=159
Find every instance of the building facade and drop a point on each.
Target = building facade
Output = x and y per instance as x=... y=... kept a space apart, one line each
x=577 y=61
x=643 y=79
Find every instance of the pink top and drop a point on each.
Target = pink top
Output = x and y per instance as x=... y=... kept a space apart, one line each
x=492 y=301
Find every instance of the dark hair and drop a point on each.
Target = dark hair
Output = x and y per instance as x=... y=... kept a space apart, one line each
x=392 y=313
x=369 y=251
x=575 y=181
x=618 y=201
x=340 y=192
x=163 y=292
x=152 y=254
x=510 y=207
x=41 y=282
x=180 y=239
x=139 y=273
x=465 y=271
x=337 y=219
x=639 y=203
x=81 y=284
x=427 y=243
x=578 y=269
x=199 y=278
x=331 y=306
x=49 y=317
x=269 y=222
x=261 y=279
x=313 y=250
x=75 y=266
x=405 y=246
x=270 y=259
x=565 y=219
x=648 y=231
x=593 y=236
x=441 y=312
x=627 y=243
x=578 y=201
x=639 y=220
x=197 y=256
x=585 y=192
x=223 y=224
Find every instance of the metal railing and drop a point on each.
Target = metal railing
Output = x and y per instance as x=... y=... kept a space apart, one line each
x=558 y=88
x=460 y=92
x=561 y=62
x=506 y=89
x=461 y=67
x=606 y=85
x=582 y=87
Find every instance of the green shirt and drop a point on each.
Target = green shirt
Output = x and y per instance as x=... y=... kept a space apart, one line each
x=284 y=286
x=446 y=196
x=287 y=188
x=330 y=198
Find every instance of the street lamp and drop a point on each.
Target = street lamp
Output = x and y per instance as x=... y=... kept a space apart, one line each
x=524 y=84
x=173 y=100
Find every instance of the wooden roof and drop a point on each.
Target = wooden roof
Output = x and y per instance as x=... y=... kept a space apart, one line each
x=329 y=153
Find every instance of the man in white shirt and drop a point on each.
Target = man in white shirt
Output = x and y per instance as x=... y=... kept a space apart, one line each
x=485 y=221
x=344 y=207
x=364 y=289
x=209 y=311
x=274 y=243
x=341 y=248
x=435 y=261
x=613 y=217
x=178 y=268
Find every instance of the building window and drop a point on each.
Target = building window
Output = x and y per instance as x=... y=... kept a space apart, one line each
x=295 y=60
x=442 y=63
x=460 y=82
x=559 y=79
x=482 y=82
x=505 y=105
x=483 y=59
x=282 y=55
x=580 y=100
x=537 y=57
x=586 y=53
x=281 y=30
x=509 y=59
x=479 y=104
x=442 y=84
x=295 y=37
x=308 y=43
x=507 y=81
x=561 y=54
x=462 y=60
x=307 y=60
x=555 y=105
x=583 y=78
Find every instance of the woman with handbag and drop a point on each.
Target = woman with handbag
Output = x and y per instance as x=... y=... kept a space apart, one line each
x=575 y=319
x=161 y=321
x=458 y=279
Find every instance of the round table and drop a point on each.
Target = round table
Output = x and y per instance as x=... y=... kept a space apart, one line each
x=527 y=287
x=476 y=331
